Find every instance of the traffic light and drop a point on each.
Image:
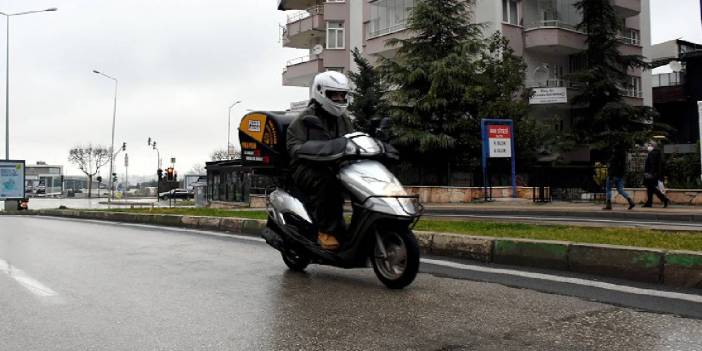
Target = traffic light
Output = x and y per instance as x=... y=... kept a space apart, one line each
x=114 y=177
x=169 y=173
x=159 y=173
x=99 y=179
x=124 y=146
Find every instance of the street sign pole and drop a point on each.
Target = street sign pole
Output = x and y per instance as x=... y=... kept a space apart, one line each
x=699 y=112
x=498 y=142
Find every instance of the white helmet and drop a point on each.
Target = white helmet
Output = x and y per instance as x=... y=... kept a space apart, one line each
x=326 y=83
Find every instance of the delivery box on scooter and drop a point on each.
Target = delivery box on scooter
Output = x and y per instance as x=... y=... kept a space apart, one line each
x=262 y=138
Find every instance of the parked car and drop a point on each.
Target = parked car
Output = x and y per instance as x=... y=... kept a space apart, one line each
x=176 y=194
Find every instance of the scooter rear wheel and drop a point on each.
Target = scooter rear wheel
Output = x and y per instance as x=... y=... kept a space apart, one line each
x=395 y=258
x=294 y=261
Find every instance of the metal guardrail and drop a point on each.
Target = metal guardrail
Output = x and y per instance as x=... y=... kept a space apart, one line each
x=629 y=40
x=553 y=83
x=302 y=59
x=552 y=24
x=667 y=80
x=312 y=11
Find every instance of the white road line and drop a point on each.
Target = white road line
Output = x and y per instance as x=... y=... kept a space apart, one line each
x=34 y=286
x=548 y=277
x=576 y=281
x=159 y=227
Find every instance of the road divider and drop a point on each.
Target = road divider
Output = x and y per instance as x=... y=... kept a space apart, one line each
x=673 y=268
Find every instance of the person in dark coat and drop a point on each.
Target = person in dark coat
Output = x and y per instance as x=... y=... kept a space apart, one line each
x=324 y=123
x=653 y=173
x=616 y=169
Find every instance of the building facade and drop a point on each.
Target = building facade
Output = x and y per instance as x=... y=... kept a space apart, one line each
x=43 y=180
x=543 y=32
x=677 y=86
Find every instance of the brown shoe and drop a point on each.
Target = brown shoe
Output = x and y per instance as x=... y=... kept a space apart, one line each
x=328 y=241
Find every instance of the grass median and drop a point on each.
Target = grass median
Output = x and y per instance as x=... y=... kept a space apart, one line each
x=671 y=240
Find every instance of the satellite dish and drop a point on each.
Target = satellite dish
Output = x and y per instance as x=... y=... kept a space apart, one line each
x=317 y=49
x=675 y=66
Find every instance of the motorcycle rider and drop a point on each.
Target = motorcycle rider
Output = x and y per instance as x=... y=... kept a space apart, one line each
x=321 y=128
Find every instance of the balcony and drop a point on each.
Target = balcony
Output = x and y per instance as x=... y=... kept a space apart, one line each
x=284 y=5
x=300 y=71
x=554 y=37
x=376 y=43
x=305 y=28
x=627 y=8
x=667 y=80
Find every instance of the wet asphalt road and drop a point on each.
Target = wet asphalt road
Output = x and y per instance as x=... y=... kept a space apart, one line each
x=76 y=285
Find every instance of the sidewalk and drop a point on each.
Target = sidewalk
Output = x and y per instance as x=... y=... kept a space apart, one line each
x=524 y=207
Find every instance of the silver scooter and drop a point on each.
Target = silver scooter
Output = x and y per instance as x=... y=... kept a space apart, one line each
x=380 y=229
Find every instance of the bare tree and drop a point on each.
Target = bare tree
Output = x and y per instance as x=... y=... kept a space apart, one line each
x=222 y=155
x=198 y=169
x=89 y=159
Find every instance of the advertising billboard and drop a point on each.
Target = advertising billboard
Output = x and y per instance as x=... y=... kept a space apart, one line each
x=12 y=180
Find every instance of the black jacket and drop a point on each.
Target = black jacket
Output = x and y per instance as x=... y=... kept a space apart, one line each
x=316 y=132
x=654 y=164
x=617 y=162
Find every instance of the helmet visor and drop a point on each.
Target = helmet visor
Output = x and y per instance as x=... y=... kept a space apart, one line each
x=337 y=96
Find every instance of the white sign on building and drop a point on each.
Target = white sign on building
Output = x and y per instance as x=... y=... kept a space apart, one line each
x=11 y=180
x=299 y=105
x=500 y=141
x=543 y=96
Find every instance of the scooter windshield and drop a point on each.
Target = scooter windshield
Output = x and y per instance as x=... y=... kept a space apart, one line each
x=363 y=144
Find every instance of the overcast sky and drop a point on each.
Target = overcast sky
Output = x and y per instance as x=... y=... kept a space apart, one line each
x=180 y=64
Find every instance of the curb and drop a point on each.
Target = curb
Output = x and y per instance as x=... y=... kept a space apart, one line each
x=673 y=268
x=645 y=265
x=532 y=253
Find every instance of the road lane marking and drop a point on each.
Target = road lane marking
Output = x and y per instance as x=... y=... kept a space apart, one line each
x=159 y=228
x=560 y=279
x=29 y=283
x=548 y=277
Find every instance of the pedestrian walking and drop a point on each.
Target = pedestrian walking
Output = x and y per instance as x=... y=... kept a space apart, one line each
x=616 y=168
x=653 y=173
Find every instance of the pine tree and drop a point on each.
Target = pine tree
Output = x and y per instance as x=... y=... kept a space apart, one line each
x=368 y=95
x=433 y=76
x=607 y=118
x=503 y=95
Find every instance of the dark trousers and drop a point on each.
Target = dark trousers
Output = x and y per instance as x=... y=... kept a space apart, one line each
x=323 y=197
x=652 y=188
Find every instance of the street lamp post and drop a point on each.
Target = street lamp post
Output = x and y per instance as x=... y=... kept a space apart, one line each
x=229 y=124
x=112 y=145
x=7 y=75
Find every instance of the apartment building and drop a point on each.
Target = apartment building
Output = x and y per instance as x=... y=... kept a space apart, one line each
x=677 y=86
x=543 y=32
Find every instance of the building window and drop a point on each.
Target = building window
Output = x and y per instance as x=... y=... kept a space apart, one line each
x=387 y=16
x=335 y=35
x=630 y=36
x=551 y=13
x=633 y=88
x=510 y=13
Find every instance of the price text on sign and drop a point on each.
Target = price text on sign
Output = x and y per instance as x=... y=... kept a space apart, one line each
x=500 y=141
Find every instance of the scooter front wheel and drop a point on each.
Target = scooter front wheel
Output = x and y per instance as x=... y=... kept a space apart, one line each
x=395 y=258
x=294 y=261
